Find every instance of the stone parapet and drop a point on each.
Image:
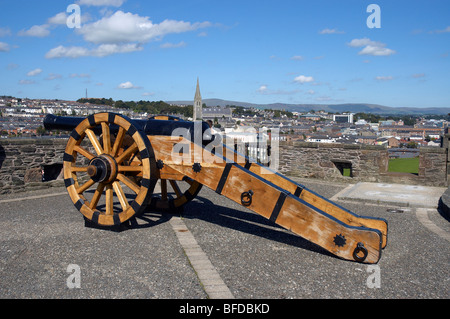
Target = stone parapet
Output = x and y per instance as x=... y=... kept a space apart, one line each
x=30 y=164
x=359 y=163
x=23 y=162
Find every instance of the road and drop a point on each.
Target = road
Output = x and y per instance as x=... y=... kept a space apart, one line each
x=215 y=249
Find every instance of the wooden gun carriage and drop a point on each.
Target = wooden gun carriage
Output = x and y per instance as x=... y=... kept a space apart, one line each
x=110 y=158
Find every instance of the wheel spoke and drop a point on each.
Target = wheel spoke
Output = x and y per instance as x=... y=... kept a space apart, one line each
x=106 y=138
x=98 y=193
x=127 y=153
x=109 y=200
x=176 y=188
x=94 y=141
x=134 y=169
x=74 y=169
x=134 y=187
x=119 y=140
x=85 y=186
x=83 y=152
x=121 y=195
x=164 y=189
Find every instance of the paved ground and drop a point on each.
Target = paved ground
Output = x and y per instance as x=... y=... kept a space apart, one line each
x=394 y=194
x=216 y=249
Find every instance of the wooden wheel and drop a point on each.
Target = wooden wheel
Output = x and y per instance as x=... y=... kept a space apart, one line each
x=182 y=193
x=109 y=169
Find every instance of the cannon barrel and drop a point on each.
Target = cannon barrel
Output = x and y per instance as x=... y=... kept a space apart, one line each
x=196 y=131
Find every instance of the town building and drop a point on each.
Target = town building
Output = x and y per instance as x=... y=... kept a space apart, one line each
x=343 y=118
x=217 y=113
x=198 y=107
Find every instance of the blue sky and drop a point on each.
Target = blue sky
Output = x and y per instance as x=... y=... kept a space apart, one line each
x=315 y=52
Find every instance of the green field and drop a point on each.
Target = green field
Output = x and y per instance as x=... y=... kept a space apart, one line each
x=404 y=165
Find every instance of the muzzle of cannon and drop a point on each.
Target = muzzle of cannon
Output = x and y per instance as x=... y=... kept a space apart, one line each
x=112 y=165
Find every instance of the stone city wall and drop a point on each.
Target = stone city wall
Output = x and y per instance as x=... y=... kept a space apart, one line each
x=32 y=164
x=333 y=161
x=359 y=163
x=22 y=163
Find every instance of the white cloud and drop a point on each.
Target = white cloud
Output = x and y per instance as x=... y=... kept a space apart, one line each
x=384 y=78
x=39 y=31
x=297 y=58
x=371 y=47
x=60 y=19
x=446 y=30
x=262 y=89
x=100 y=51
x=376 y=51
x=418 y=75
x=109 y=49
x=124 y=27
x=5 y=32
x=101 y=3
x=303 y=79
x=12 y=66
x=148 y=94
x=53 y=76
x=67 y=52
x=25 y=82
x=80 y=75
x=127 y=86
x=173 y=45
x=361 y=42
x=34 y=72
x=331 y=31
x=4 y=47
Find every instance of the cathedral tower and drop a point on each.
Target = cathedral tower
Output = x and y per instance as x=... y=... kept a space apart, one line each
x=198 y=114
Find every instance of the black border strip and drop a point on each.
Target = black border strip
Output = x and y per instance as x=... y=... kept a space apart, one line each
x=111 y=117
x=136 y=207
x=298 y=191
x=69 y=182
x=278 y=206
x=116 y=219
x=95 y=216
x=75 y=135
x=67 y=158
x=91 y=119
x=223 y=179
x=79 y=204
x=131 y=130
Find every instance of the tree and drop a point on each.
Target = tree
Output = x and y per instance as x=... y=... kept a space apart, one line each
x=411 y=145
x=40 y=130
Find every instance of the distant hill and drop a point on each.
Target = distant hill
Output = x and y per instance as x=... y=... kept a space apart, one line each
x=334 y=108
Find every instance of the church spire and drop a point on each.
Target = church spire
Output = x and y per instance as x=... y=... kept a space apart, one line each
x=197 y=92
x=198 y=114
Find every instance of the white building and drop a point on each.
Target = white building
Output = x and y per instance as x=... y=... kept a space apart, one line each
x=343 y=118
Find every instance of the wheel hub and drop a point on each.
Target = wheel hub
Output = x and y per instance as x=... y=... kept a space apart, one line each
x=103 y=169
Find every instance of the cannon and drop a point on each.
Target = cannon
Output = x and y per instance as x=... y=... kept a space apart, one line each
x=112 y=164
